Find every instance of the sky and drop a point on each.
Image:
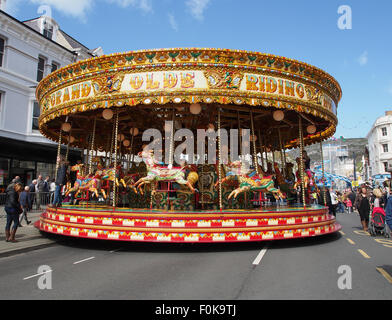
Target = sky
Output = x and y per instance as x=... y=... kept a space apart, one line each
x=359 y=58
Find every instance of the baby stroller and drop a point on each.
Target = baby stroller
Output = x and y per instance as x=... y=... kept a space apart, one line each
x=377 y=224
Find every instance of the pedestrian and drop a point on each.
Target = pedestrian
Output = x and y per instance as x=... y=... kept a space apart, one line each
x=377 y=200
x=388 y=214
x=24 y=201
x=46 y=184
x=61 y=180
x=39 y=189
x=333 y=202
x=362 y=204
x=33 y=187
x=351 y=196
x=52 y=186
x=13 y=208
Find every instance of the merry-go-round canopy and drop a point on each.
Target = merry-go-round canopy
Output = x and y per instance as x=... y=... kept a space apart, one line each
x=189 y=85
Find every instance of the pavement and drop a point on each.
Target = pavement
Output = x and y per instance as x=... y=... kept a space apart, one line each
x=29 y=238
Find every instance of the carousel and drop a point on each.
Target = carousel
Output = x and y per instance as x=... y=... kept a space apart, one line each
x=188 y=145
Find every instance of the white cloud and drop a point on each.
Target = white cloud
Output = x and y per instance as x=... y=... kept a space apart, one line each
x=144 y=5
x=74 y=8
x=363 y=58
x=173 y=22
x=197 y=8
x=78 y=8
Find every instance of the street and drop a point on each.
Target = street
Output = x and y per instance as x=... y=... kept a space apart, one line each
x=293 y=269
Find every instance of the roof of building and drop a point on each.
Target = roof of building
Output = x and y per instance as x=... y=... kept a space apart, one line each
x=29 y=24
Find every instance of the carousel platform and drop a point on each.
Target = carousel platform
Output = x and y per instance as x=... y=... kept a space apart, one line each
x=266 y=223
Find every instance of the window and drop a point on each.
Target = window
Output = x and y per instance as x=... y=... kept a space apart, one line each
x=2 y=44
x=41 y=68
x=55 y=66
x=385 y=166
x=385 y=147
x=48 y=30
x=36 y=113
x=384 y=131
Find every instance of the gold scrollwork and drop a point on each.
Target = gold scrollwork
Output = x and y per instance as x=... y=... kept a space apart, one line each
x=107 y=84
x=223 y=79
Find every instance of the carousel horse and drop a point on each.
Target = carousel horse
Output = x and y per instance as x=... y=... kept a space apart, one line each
x=90 y=185
x=83 y=183
x=250 y=180
x=156 y=172
x=282 y=183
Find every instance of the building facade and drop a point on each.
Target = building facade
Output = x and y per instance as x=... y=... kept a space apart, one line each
x=29 y=51
x=380 y=145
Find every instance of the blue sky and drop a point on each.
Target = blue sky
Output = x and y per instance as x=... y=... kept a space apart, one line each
x=360 y=59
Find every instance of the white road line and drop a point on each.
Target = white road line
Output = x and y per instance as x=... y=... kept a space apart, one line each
x=115 y=250
x=36 y=275
x=83 y=260
x=260 y=255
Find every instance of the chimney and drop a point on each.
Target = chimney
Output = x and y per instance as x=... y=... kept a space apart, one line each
x=3 y=5
x=388 y=113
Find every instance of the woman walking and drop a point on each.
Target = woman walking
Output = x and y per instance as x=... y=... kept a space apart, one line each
x=13 y=209
x=362 y=204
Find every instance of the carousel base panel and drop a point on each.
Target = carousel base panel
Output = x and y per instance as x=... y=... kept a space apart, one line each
x=272 y=223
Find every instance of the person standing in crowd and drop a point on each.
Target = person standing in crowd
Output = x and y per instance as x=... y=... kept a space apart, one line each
x=61 y=180
x=46 y=184
x=351 y=196
x=33 y=187
x=24 y=200
x=362 y=204
x=39 y=189
x=334 y=202
x=388 y=212
x=52 y=186
x=378 y=199
x=13 y=208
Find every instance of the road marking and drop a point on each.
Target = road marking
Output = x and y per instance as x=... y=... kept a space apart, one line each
x=362 y=232
x=384 y=242
x=115 y=250
x=260 y=255
x=83 y=260
x=363 y=253
x=385 y=274
x=350 y=241
x=342 y=233
x=36 y=275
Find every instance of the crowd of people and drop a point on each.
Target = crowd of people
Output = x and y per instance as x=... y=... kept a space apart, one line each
x=20 y=198
x=363 y=200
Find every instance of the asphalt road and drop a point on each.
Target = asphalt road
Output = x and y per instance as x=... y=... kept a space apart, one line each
x=289 y=269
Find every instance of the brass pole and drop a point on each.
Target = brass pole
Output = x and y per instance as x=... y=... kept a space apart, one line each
x=301 y=160
x=69 y=139
x=322 y=168
x=282 y=157
x=261 y=150
x=92 y=148
x=115 y=160
x=219 y=160
x=58 y=153
x=254 y=143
